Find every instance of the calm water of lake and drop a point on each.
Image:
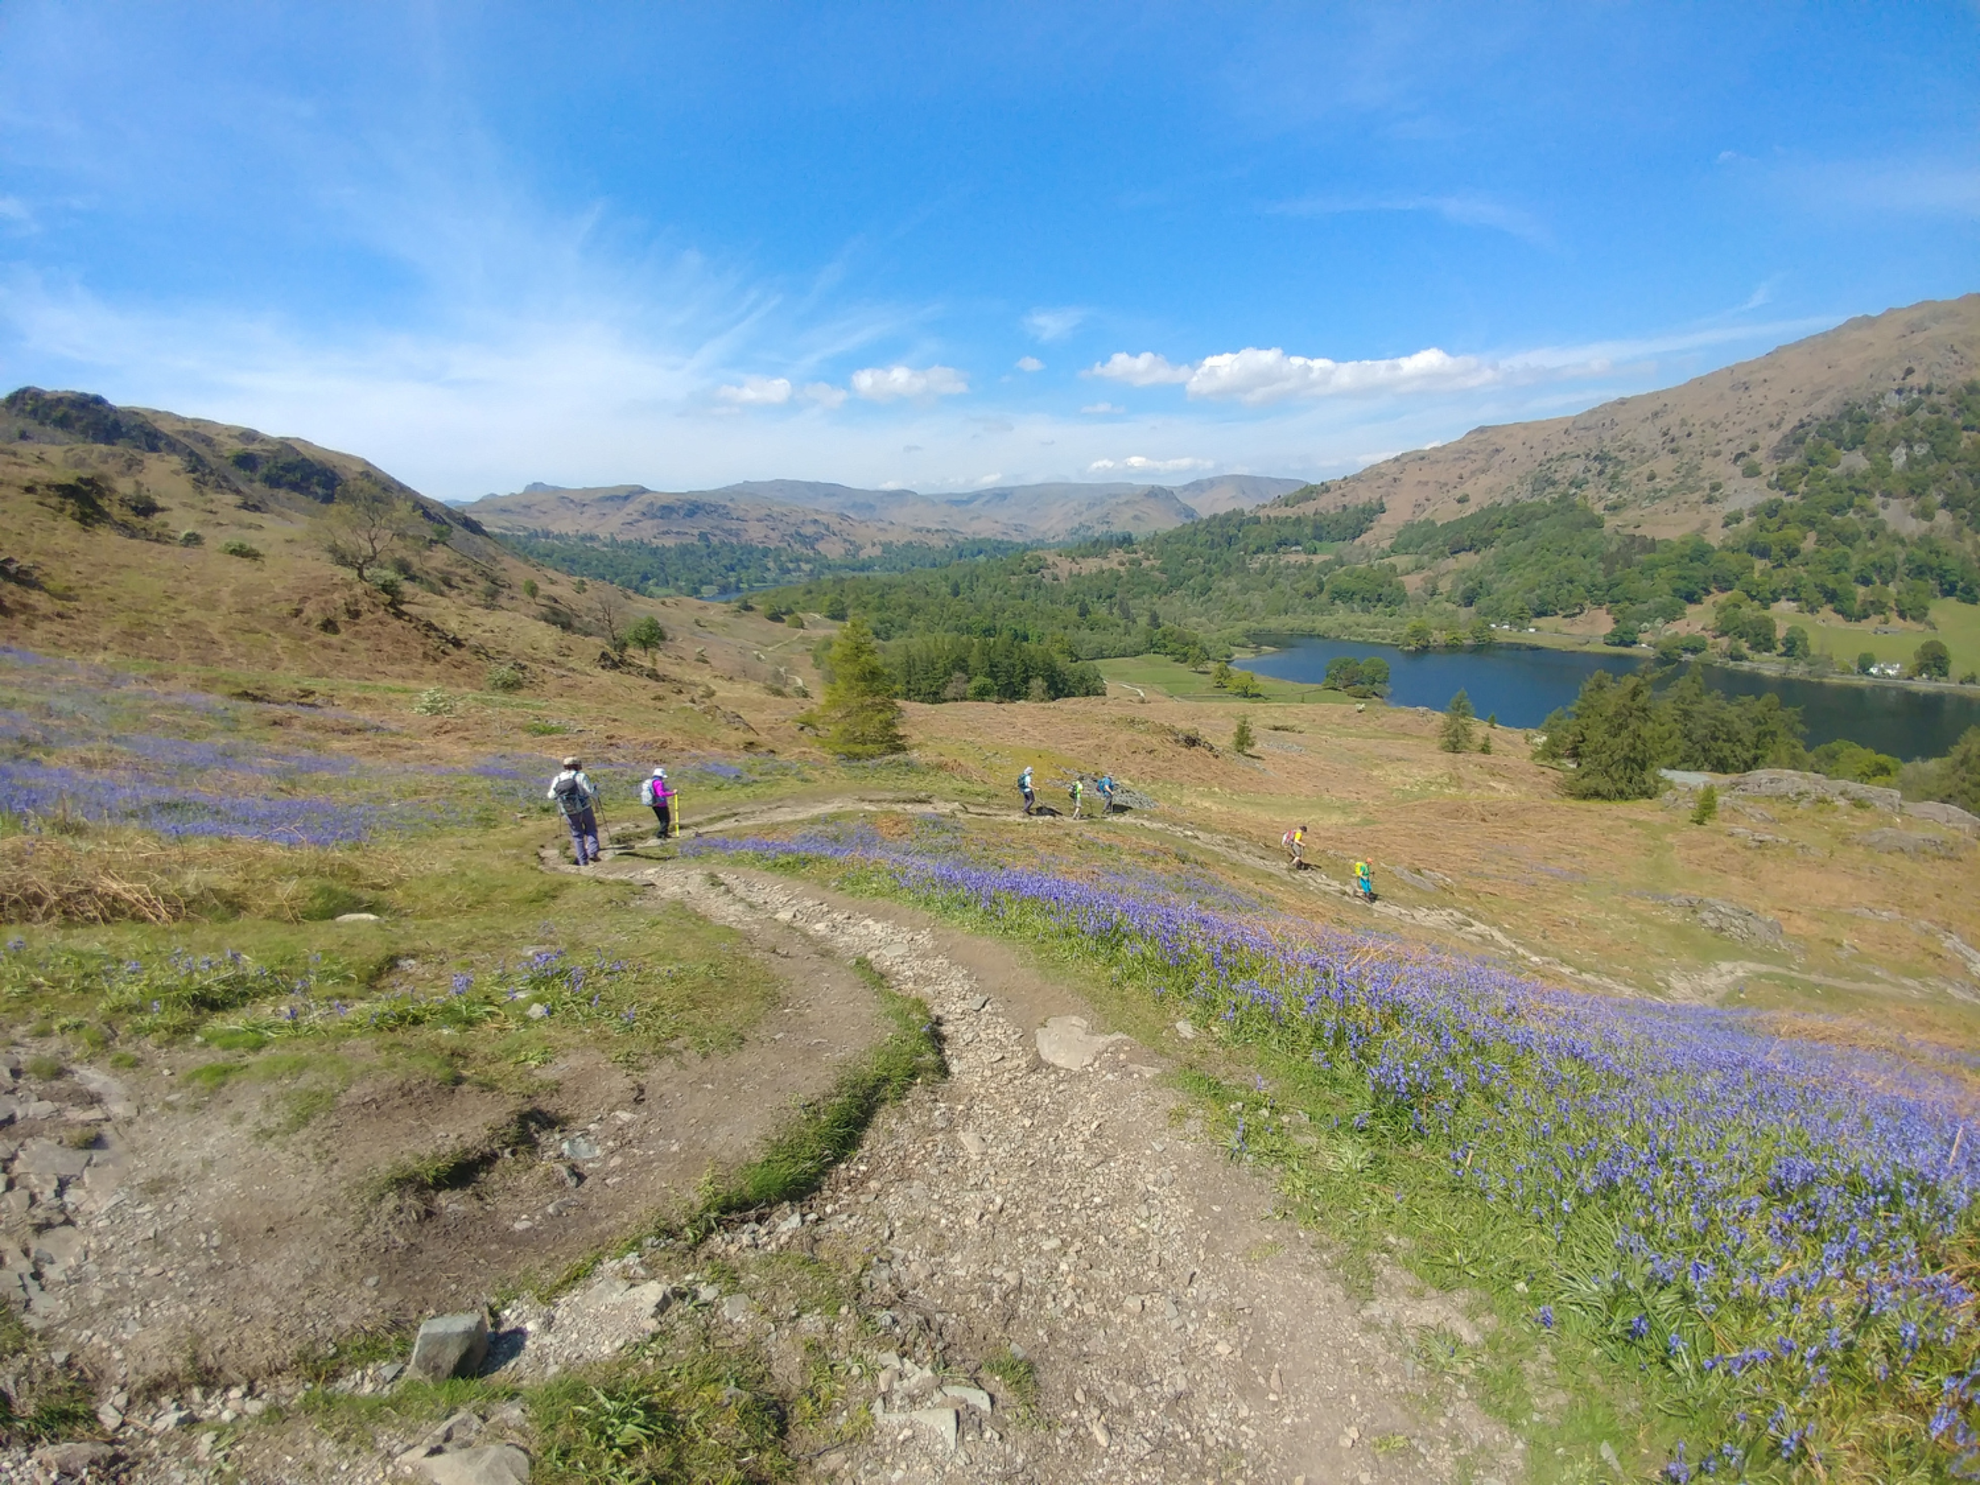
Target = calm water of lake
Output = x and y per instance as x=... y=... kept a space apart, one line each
x=1524 y=685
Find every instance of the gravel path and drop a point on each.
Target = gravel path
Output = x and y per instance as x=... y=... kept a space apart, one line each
x=1179 y=1329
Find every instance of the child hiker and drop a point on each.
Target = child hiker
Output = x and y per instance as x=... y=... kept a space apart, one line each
x=1077 y=793
x=658 y=795
x=576 y=797
x=1364 y=882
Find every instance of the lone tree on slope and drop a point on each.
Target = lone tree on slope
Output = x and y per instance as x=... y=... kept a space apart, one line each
x=859 y=716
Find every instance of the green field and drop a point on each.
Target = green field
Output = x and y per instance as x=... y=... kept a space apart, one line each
x=1958 y=624
x=1160 y=676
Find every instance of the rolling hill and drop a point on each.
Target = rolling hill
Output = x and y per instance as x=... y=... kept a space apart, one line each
x=1658 y=463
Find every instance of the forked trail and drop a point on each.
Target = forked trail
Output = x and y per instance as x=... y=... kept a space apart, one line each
x=1051 y=1197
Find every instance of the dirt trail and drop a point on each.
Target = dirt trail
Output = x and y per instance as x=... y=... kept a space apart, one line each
x=1180 y=1330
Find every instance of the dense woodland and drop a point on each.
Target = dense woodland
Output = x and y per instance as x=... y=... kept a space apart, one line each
x=707 y=567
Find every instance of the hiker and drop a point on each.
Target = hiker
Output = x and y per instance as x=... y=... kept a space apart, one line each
x=1077 y=793
x=1106 y=787
x=1364 y=882
x=1024 y=788
x=1294 y=840
x=658 y=795
x=576 y=796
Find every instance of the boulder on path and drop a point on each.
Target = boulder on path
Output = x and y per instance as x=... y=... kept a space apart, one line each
x=1065 y=1041
x=75 y=1461
x=449 y=1346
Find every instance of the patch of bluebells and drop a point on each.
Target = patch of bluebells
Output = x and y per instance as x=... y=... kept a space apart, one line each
x=1781 y=1226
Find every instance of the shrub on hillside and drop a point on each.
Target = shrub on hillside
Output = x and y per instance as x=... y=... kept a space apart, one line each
x=238 y=548
x=1619 y=734
x=503 y=676
x=191 y=539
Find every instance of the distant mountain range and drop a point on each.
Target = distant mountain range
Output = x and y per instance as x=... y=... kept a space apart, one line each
x=839 y=520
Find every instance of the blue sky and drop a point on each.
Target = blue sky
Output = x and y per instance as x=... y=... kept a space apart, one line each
x=945 y=246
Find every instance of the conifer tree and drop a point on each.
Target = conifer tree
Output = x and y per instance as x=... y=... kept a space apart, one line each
x=1456 y=736
x=859 y=716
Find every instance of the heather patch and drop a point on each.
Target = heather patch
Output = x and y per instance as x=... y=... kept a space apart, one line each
x=1774 y=1232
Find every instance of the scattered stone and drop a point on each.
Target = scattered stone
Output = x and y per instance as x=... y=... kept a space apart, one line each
x=976 y=1397
x=580 y=1147
x=738 y=1308
x=47 y=1158
x=74 y=1460
x=491 y=1464
x=1100 y=1434
x=450 y=1345
x=973 y=1144
x=1186 y=1031
x=1910 y=843
x=1065 y=1041
x=1729 y=919
x=941 y=1422
x=357 y=917
x=1788 y=783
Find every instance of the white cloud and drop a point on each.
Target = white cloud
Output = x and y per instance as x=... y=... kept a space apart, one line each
x=984 y=481
x=1145 y=370
x=1101 y=408
x=757 y=391
x=1049 y=325
x=892 y=383
x=823 y=393
x=1255 y=377
x=1030 y=363
x=1139 y=464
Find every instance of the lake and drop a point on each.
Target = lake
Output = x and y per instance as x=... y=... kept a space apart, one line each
x=1523 y=685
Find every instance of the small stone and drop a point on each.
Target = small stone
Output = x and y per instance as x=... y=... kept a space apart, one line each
x=110 y=1416
x=1065 y=1041
x=1099 y=1432
x=450 y=1345
x=491 y=1464
x=74 y=1458
x=738 y=1308
x=580 y=1147
x=1186 y=1031
x=939 y=1421
x=973 y=1145
x=975 y=1397
x=357 y=917
x=1277 y=1384
x=538 y=1012
x=1223 y=1348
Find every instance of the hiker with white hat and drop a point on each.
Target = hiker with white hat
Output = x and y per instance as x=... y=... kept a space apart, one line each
x=658 y=795
x=575 y=796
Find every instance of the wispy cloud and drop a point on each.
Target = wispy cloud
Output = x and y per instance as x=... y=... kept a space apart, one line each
x=1029 y=364
x=1911 y=188
x=1464 y=208
x=1049 y=325
x=1101 y=409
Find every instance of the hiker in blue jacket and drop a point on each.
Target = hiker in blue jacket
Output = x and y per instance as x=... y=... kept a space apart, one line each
x=576 y=798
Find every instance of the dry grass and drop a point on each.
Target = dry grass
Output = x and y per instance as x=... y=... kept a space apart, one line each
x=126 y=876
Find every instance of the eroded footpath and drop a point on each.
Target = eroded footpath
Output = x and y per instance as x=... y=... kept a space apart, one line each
x=1051 y=1200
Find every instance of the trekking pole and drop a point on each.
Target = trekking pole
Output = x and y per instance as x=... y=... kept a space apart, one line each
x=676 y=813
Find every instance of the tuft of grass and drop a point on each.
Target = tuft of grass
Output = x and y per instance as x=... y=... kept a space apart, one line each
x=1019 y=1376
x=44 y=1067
x=415 y=1180
x=702 y=1418
x=824 y=1130
x=42 y=1402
